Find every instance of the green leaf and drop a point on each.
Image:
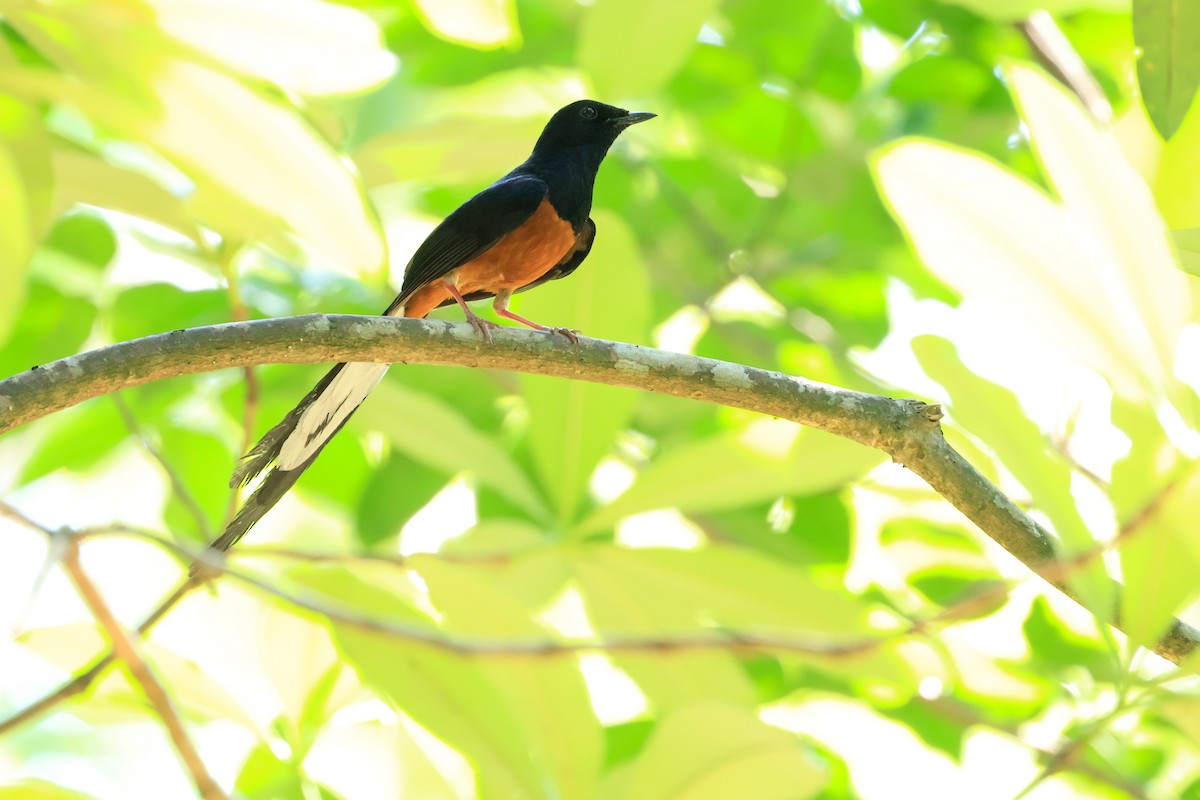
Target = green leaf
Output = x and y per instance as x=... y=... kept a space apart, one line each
x=1167 y=32
x=631 y=48
x=939 y=731
x=811 y=529
x=1056 y=648
x=574 y=423
x=395 y=491
x=85 y=238
x=769 y=459
x=79 y=438
x=19 y=224
x=161 y=307
x=431 y=432
x=1187 y=249
x=945 y=564
x=715 y=751
x=200 y=461
x=263 y=776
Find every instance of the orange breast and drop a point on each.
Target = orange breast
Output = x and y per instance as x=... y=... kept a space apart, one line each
x=518 y=259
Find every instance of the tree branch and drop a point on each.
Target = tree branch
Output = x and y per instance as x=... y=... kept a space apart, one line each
x=125 y=649
x=908 y=430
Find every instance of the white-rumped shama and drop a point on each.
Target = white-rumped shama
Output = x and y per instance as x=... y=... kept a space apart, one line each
x=529 y=227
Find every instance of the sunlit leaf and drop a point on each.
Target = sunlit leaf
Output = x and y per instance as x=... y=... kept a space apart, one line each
x=200 y=696
x=520 y=721
x=714 y=751
x=298 y=655
x=575 y=422
x=769 y=460
x=618 y=604
x=1092 y=275
x=454 y=150
x=1168 y=68
x=480 y=23
x=554 y=708
x=1160 y=558
x=630 y=48
x=220 y=131
x=239 y=145
x=303 y=46
x=82 y=178
x=1117 y=207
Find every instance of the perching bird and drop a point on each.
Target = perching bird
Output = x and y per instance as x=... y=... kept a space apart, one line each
x=529 y=227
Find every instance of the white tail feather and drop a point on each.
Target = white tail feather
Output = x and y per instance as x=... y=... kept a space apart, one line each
x=319 y=421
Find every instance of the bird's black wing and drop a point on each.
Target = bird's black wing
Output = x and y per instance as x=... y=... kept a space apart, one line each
x=471 y=230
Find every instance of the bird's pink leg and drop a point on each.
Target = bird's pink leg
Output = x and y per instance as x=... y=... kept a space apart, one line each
x=500 y=304
x=481 y=325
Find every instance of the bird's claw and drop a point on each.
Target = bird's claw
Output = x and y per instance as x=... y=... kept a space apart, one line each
x=482 y=326
x=571 y=334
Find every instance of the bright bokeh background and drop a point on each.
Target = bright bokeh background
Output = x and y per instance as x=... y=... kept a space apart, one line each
x=173 y=163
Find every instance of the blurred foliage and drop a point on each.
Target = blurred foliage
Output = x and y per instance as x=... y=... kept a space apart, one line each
x=173 y=163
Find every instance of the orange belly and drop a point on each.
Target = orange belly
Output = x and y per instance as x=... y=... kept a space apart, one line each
x=520 y=258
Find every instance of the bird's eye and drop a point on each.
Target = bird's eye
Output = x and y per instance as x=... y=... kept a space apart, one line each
x=587 y=112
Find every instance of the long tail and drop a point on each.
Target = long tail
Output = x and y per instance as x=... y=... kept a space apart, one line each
x=296 y=442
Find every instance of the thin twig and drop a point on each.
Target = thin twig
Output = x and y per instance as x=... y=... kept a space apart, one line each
x=125 y=649
x=79 y=683
x=1061 y=58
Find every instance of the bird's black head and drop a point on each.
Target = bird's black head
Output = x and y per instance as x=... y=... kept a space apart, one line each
x=587 y=124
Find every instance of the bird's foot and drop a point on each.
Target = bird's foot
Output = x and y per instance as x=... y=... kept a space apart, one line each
x=571 y=334
x=482 y=326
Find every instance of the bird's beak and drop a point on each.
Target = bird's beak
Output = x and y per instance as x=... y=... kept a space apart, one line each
x=621 y=123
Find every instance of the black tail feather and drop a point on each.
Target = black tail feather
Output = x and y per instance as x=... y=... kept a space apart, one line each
x=268 y=447
x=266 y=495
